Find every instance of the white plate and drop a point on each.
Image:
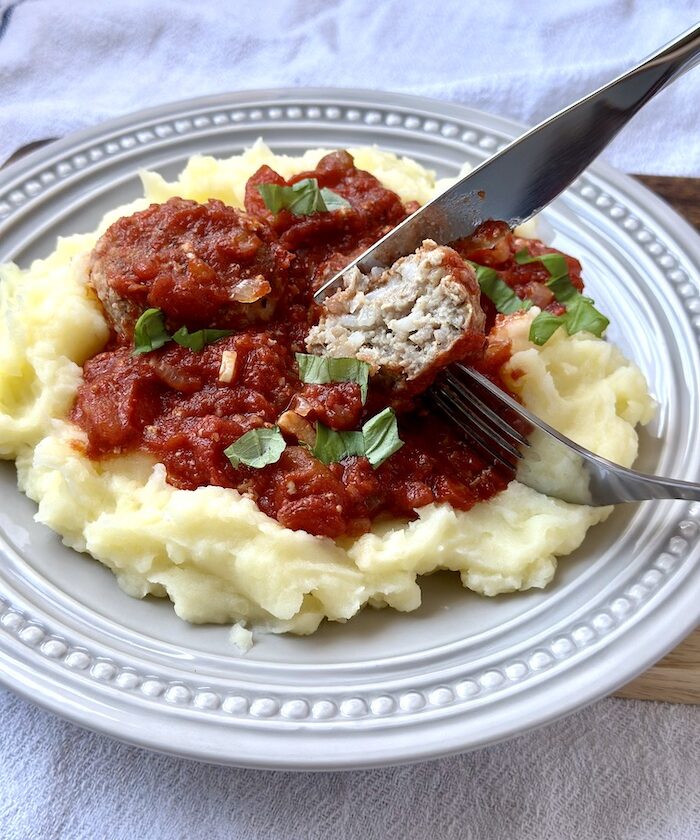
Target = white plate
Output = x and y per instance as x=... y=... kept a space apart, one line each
x=462 y=671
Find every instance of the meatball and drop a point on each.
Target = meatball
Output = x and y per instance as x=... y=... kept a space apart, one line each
x=406 y=321
x=203 y=265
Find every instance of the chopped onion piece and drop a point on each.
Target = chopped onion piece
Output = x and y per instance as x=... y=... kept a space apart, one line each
x=300 y=405
x=251 y=289
x=228 y=367
x=293 y=424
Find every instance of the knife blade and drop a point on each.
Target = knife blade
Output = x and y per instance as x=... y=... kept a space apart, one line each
x=529 y=173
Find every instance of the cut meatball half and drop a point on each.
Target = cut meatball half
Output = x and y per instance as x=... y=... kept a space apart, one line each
x=203 y=265
x=407 y=321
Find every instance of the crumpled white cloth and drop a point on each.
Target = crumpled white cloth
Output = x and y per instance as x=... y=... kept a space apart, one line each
x=65 y=66
x=620 y=769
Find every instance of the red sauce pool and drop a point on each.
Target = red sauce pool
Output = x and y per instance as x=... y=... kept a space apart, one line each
x=170 y=402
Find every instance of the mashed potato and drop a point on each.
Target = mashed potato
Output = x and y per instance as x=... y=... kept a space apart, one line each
x=213 y=552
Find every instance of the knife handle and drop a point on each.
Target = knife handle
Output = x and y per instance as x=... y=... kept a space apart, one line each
x=529 y=173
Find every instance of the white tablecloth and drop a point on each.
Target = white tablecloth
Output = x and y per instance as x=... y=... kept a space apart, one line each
x=620 y=769
x=68 y=65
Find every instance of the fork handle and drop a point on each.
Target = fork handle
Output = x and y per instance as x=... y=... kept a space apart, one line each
x=614 y=484
x=602 y=482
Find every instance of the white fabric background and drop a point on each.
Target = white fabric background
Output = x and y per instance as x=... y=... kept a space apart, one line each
x=66 y=65
x=619 y=769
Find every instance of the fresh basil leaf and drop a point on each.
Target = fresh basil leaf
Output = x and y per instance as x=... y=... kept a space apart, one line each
x=555 y=264
x=332 y=446
x=332 y=200
x=544 y=326
x=198 y=340
x=302 y=198
x=582 y=316
x=563 y=289
x=150 y=332
x=256 y=448
x=378 y=440
x=580 y=313
x=498 y=291
x=381 y=437
x=559 y=281
x=273 y=196
x=320 y=370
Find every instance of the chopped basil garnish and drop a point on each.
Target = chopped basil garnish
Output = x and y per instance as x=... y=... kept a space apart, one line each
x=498 y=291
x=563 y=289
x=302 y=198
x=381 y=436
x=274 y=196
x=581 y=315
x=320 y=370
x=544 y=326
x=332 y=446
x=150 y=332
x=559 y=281
x=256 y=448
x=554 y=263
x=378 y=440
x=198 y=340
x=332 y=200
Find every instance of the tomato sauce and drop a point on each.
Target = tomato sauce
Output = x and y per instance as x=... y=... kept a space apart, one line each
x=180 y=406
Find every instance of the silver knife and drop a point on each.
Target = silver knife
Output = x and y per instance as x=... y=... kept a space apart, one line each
x=533 y=170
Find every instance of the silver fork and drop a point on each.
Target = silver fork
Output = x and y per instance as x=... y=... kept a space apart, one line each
x=567 y=142
x=481 y=410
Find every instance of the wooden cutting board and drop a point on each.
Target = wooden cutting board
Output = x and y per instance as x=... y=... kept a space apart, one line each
x=676 y=678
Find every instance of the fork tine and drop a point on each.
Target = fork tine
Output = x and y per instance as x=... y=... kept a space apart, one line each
x=468 y=393
x=463 y=420
x=463 y=403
